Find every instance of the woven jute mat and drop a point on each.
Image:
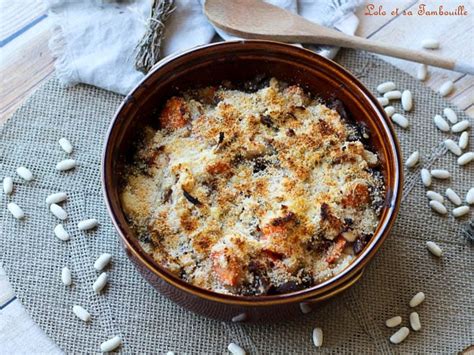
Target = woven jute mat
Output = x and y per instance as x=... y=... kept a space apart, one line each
x=149 y=323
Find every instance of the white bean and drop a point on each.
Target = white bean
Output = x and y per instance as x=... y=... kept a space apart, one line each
x=66 y=164
x=425 y=177
x=65 y=145
x=58 y=211
x=24 y=173
x=450 y=115
x=438 y=207
x=393 y=95
x=389 y=110
x=422 y=72
x=383 y=101
x=100 y=283
x=111 y=344
x=413 y=159
x=470 y=196
x=87 y=224
x=385 y=87
x=417 y=299
x=66 y=277
x=415 y=321
x=440 y=174
x=460 y=211
x=318 y=337
x=241 y=317
x=434 y=249
x=56 y=198
x=453 y=196
x=430 y=43
x=400 y=120
x=400 y=335
x=81 y=313
x=407 y=100
x=393 y=322
x=452 y=147
x=305 y=308
x=16 y=210
x=434 y=196
x=464 y=140
x=61 y=233
x=235 y=349
x=7 y=185
x=102 y=261
x=466 y=158
x=446 y=88
x=441 y=123
x=461 y=126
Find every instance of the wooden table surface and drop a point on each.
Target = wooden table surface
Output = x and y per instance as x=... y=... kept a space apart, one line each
x=25 y=60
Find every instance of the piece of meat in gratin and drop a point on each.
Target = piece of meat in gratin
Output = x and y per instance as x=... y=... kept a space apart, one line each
x=254 y=192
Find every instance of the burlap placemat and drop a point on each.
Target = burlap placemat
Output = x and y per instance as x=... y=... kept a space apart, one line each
x=148 y=322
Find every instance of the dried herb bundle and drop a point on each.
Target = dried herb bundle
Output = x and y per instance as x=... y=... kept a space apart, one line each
x=149 y=48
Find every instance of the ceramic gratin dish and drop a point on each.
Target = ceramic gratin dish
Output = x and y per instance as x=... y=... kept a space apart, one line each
x=239 y=61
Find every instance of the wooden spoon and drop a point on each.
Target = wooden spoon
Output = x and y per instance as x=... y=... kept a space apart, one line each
x=259 y=20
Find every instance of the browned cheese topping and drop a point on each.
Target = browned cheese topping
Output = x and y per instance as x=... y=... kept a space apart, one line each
x=254 y=193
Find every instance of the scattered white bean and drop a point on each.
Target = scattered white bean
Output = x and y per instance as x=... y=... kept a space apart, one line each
x=453 y=196
x=438 y=207
x=66 y=164
x=470 y=196
x=385 y=87
x=415 y=321
x=16 y=210
x=440 y=174
x=102 y=261
x=422 y=72
x=318 y=337
x=450 y=115
x=425 y=177
x=81 y=313
x=400 y=335
x=452 y=147
x=100 y=283
x=65 y=145
x=430 y=43
x=66 y=276
x=441 y=123
x=400 y=120
x=111 y=344
x=56 y=198
x=383 y=101
x=87 y=224
x=466 y=158
x=24 y=173
x=7 y=185
x=305 y=308
x=417 y=299
x=461 y=126
x=61 y=233
x=434 y=249
x=413 y=159
x=407 y=100
x=464 y=140
x=460 y=211
x=446 y=88
x=434 y=196
x=235 y=349
x=393 y=95
x=393 y=322
x=58 y=211
x=239 y=318
x=389 y=110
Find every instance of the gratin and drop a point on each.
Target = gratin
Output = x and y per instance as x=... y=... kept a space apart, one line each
x=254 y=191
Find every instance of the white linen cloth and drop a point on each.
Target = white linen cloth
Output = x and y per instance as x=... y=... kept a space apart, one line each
x=95 y=41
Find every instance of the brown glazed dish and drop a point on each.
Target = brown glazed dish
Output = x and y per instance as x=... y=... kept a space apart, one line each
x=239 y=61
